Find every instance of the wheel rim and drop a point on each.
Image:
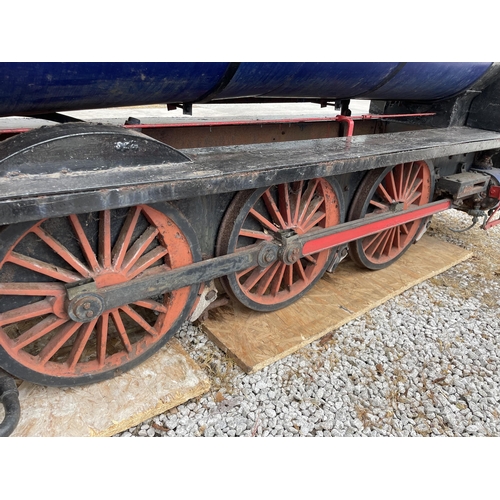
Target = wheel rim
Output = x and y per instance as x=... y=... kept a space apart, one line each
x=256 y=216
x=39 y=342
x=401 y=187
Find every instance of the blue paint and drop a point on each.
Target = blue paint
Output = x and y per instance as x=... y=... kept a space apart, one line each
x=30 y=88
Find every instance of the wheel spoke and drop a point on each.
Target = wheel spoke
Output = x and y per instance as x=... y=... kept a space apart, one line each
x=300 y=269
x=139 y=247
x=384 y=194
x=314 y=221
x=84 y=243
x=278 y=279
x=377 y=204
x=254 y=278
x=44 y=268
x=415 y=193
x=125 y=236
x=151 y=304
x=258 y=235
x=245 y=271
x=284 y=203
x=306 y=199
x=29 y=311
x=62 y=251
x=265 y=223
x=273 y=209
x=80 y=343
x=295 y=201
x=120 y=327
x=102 y=337
x=146 y=261
x=33 y=289
x=391 y=185
x=139 y=320
x=56 y=342
x=105 y=239
x=267 y=279
x=37 y=331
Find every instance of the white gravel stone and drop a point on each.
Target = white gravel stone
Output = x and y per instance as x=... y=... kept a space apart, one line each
x=424 y=363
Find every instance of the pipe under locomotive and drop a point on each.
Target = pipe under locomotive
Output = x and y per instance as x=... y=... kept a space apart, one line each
x=111 y=238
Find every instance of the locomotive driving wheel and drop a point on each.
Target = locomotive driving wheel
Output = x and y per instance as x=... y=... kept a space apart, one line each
x=39 y=342
x=395 y=188
x=274 y=213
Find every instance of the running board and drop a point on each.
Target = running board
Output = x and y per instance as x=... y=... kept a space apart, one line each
x=226 y=169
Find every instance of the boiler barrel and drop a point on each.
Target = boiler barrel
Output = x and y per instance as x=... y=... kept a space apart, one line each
x=34 y=88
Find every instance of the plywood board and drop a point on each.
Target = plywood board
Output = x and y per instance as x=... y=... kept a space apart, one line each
x=256 y=340
x=167 y=379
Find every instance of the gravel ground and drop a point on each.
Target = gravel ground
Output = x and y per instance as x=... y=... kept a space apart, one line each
x=425 y=363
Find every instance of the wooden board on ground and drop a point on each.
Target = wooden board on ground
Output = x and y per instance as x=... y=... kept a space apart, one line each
x=256 y=340
x=167 y=379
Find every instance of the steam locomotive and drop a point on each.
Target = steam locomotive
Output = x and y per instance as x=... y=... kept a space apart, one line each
x=111 y=237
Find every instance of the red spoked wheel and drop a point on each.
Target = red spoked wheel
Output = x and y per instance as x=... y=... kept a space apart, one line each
x=260 y=215
x=399 y=187
x=38 y=340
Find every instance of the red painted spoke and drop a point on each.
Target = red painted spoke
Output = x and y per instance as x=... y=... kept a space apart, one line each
x=391 y=185
x=62 y=251
x=32 y=289
x=289 y=277
x=384 y=194
x=295 y=201
x=146 y=261
x=311 y=259
x=385 y=235
x=37 y=331
x=26 y=312
x=307 y=198
x=139 y=320
x=102 y=337
x=254 y=278
x=139 y=247
x=84 y=243
x=404 y=228
x=151 y=304
x=263 y=220
x=245 y=271
x=120 y=327
x=415 y=170
x=313 y=207
x=278 y=279
x=382 y=207
x=258 y=235
x=415 y=193
x=123 y=241
x=267 y=279
x=44 y=268
x=300 y=268
x=105 y=239
x=399 y=179
x=371 y=246
x=409 y=167
x=80 y=342
x=389 y=243
x=284 y=203
x=273 y=209
x=57 y=341
x=397 y=238
x=313 y=221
